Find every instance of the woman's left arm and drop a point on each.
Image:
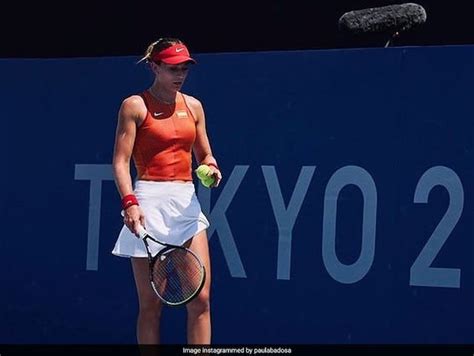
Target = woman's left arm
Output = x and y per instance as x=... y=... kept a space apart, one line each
x=202 y=148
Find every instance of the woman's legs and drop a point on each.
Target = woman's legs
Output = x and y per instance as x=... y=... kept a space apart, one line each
x=199 y=314
x=148 y=323
x=150 y=306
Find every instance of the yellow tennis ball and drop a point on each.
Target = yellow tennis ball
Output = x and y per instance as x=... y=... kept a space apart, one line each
x=204 y=173
x=208 y=181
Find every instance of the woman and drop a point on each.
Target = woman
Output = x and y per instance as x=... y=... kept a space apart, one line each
x=159 y=128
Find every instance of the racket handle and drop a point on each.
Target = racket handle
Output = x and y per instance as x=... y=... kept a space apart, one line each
x=141 y=232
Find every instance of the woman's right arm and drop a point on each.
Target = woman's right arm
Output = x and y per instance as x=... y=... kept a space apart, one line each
x=131 y=114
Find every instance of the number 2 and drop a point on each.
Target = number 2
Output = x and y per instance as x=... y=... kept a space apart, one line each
x=421 y=274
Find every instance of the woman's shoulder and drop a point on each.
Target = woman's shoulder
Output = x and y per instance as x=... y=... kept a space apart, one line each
x=133 y=101
x=192 y=101
x=134 y=106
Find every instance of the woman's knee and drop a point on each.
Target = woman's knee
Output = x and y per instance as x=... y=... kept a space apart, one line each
x=200 y=304
x=150 y=307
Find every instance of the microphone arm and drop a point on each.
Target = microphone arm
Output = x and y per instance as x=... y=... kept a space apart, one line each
x=390 y=40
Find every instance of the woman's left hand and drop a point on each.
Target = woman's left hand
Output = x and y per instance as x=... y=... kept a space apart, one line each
x=217 y=176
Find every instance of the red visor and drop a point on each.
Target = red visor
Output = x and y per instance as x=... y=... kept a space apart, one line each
x=175 y=54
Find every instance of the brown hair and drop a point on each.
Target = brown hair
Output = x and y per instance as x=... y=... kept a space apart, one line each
x=158 y=46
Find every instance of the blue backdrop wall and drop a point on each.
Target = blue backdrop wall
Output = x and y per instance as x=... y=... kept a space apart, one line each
x=345 y=213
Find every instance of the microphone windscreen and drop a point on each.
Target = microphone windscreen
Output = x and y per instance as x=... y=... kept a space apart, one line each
x=391 y=18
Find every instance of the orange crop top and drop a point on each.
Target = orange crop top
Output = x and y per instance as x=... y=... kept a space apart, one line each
x=164 y=141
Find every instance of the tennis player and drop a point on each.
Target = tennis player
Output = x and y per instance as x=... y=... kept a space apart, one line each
x=160 y=128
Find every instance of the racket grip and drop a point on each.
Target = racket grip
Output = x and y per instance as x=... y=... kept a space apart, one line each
x=141 y=232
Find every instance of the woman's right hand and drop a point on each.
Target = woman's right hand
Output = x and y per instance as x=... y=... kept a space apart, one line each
x=133 y=217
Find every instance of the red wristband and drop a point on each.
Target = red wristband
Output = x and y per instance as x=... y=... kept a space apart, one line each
x=214 y=165
x=128 y=201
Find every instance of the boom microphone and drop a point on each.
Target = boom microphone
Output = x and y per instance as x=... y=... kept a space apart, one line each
x=391 y=19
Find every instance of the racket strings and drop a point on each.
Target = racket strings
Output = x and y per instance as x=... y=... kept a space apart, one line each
x=177 y=275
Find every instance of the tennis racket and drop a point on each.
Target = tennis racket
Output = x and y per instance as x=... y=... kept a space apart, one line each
x=177 y=275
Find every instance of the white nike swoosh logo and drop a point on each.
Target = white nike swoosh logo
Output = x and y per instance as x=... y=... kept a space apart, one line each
x=156 y=114
x=179 y=49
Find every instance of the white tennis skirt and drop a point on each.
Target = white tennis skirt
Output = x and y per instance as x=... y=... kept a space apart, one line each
x=172 y=215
